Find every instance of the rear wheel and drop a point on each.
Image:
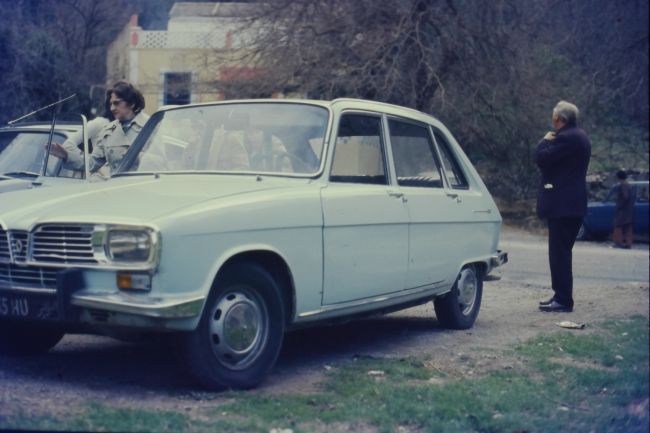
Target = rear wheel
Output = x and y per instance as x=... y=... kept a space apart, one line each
x=459 y=308
x=240 y=333
x=25 y=338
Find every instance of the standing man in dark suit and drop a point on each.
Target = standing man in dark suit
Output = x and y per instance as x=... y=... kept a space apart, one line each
x=562 y=157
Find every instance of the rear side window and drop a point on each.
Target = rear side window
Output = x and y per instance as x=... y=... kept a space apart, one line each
x=452 y=170
x=414 y=155
x=359 y=151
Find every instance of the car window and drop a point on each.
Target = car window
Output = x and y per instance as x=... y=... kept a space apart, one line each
x=244 y=138
x=414 y=155
x=453 y=173
x=359 y=151
x=25 y=152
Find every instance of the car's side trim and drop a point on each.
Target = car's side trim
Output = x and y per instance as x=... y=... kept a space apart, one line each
x=377 y=302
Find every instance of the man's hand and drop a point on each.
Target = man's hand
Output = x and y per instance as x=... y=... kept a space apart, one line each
x=550 y=135
x=58 y=151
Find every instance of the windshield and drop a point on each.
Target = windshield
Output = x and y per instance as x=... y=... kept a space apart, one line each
x=22 y=153
x=247 y=137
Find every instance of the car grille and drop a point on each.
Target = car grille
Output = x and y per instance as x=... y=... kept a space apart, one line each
x=13 y=246
x=18 y=245
x=63 y=244
x=27 y=277
x=5 y=256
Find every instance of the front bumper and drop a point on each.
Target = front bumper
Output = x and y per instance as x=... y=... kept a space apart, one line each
x=72 y=302
x=147 y=306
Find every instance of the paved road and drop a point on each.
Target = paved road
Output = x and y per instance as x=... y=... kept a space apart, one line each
x=594 y=263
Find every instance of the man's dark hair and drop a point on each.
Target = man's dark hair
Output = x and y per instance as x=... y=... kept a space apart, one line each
x=127 y=92
x=621 y=174
x=107 y=108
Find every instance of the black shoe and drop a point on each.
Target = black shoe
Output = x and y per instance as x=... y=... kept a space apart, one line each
x=556 y=307
x=549 y=302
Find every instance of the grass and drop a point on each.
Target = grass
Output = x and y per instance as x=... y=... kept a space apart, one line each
x=568 y=381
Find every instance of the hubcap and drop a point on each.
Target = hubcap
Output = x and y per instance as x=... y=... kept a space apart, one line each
x=467 y=287
x=238 y=328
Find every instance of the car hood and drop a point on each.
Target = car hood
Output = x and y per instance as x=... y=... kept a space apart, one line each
x=126 y=200
x=8 y=184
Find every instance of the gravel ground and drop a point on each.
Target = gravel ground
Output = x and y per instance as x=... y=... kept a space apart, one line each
x=608 y=284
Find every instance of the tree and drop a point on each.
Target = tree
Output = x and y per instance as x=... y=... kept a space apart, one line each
x=53 y=49
x=491 y=70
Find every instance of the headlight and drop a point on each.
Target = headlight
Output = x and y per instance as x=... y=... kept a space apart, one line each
x=131 y=245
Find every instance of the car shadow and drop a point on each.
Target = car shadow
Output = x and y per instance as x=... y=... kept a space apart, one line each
x=108 y=365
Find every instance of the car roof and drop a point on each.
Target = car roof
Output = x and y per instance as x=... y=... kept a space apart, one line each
x=342 y=103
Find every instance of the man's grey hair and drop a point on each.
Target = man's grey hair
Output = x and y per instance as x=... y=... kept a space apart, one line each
x=567 y=112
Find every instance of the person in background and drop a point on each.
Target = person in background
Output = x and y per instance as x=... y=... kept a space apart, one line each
x=562 y=157
x=114 y=138
x=623 y=213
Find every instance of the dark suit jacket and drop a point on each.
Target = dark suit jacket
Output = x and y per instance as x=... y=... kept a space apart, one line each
x=563 y=162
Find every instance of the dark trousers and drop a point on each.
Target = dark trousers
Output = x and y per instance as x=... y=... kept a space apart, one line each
x=562 y=234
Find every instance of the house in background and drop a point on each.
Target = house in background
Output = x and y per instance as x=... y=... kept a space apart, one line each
x=202 y=45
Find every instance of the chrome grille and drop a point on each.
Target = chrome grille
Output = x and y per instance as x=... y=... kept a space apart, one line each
x=18 y=243
x=4 y=246
x=63 y=244
x=27 y=277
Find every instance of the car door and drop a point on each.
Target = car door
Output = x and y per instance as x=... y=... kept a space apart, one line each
x=473 y=212
x=433 y=215
x=365 y=233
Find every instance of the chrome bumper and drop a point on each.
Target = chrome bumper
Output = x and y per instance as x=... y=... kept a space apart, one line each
x=164 y=308
x=498 y=259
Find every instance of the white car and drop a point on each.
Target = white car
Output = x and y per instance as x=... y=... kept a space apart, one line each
x=230 y=223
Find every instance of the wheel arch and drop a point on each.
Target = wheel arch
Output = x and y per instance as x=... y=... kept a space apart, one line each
x=481 y=265
x=277 y=268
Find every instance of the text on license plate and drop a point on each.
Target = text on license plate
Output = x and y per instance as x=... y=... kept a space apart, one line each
x=17 y=307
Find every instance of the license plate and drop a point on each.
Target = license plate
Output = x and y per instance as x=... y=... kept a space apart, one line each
x=34 y=307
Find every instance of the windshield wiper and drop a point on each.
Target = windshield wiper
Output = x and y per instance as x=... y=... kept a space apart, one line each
x=21 y=174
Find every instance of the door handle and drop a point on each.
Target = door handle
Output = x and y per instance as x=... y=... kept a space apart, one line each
x=454 y=196
x=397 y=194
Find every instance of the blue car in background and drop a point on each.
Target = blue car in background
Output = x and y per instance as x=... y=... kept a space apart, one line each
x=599 y=221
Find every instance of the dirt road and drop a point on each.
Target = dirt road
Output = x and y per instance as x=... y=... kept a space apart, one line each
x=608 y=283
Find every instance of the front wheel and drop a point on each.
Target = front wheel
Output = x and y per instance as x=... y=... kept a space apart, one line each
x=25 y=338
x=459 y=308
x=240 y=333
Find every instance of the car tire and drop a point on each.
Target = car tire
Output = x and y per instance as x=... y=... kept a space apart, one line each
x=459 y=308
x=240 y=333
x=26 y=338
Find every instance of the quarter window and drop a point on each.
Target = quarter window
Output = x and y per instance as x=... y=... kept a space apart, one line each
x=358 y=151
x=453 y=173
x=415 y=158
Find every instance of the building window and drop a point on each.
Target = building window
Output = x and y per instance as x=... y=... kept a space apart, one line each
x=177 y=88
